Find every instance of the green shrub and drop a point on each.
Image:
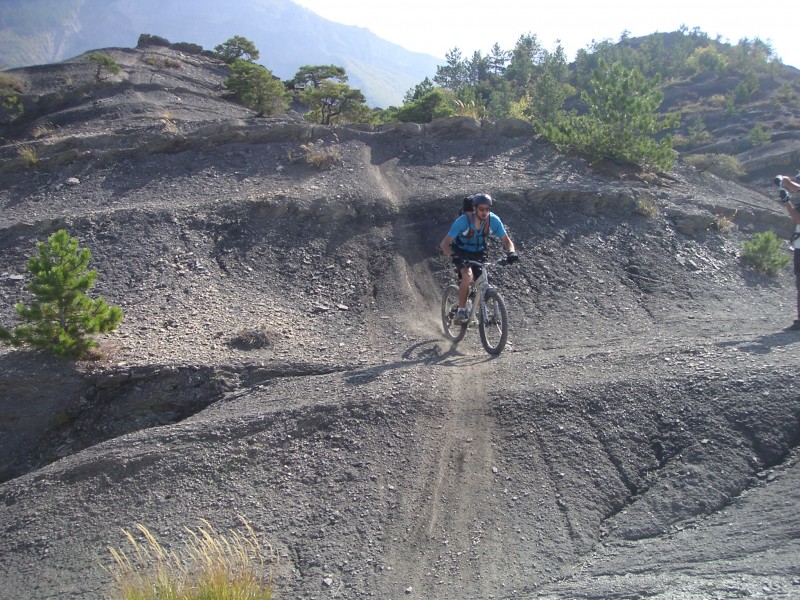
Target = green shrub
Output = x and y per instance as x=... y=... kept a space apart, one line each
x=256 y=88
x=62 y=315
x=103 y=61
x=237 y=48
x=429 y=106
x=10 y=90
x=622 y=122
x=764 y=253
x=759 y=136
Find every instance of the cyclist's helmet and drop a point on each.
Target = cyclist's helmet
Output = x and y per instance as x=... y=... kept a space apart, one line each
x=479 y=199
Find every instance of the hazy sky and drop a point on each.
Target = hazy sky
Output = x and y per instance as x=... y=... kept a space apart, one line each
x=437 y=26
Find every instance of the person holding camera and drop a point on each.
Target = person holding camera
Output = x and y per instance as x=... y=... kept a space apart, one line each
x=789 y=186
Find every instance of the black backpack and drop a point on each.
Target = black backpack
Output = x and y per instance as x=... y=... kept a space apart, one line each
x=466 y=205
x=467 y=208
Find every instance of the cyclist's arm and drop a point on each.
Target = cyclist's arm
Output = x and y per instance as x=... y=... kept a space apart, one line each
x=445 y=245
x=792 y=212
x=508 y=244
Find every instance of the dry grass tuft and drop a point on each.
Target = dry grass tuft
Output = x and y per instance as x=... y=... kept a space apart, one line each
x=169 y=123
x=43 y=130
x=724 y=223
x=210 y=567
x=646 y=208
x=255 y=337
x=320 y=156
x=28 y=154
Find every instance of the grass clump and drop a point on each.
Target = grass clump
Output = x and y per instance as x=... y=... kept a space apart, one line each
x=724 y=223
x=169 y=122
x=763 y=253
x=721 y=165
x=320 y=156
x=162 y=62
x=28 y=154
x=255 y=337
x=43 y=130
x=646 y=207
x=210 y=566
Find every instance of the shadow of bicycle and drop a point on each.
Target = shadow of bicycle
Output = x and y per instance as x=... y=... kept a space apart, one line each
x=428 y=352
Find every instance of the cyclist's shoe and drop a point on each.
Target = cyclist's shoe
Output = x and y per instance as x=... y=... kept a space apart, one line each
x=461 y=316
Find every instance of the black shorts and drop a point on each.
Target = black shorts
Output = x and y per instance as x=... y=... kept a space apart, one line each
x=466 y=255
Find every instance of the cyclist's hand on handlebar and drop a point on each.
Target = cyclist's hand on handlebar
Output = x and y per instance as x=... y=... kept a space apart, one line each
x=512 y=257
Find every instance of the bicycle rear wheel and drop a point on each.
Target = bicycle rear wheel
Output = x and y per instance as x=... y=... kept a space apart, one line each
x=493 y=323
x=452 y=331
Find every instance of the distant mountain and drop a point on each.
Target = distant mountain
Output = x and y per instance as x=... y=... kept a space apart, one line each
x=287 y=36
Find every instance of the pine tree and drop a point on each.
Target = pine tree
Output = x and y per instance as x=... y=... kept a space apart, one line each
x=62 y=315
x=622 y=120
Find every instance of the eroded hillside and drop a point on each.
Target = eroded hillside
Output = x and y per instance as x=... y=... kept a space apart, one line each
x=637 y=437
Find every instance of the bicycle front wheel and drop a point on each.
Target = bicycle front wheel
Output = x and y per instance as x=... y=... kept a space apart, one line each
x=493 y=323
x=453 y=331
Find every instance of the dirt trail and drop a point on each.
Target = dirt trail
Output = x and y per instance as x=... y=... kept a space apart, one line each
x=446 y=525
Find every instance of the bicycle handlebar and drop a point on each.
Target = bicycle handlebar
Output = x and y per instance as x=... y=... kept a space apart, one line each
x=492 y=263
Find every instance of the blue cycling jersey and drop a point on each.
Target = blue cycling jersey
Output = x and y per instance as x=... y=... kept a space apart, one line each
x=467 y=237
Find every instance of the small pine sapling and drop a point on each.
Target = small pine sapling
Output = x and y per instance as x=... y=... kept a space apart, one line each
x=62 y=317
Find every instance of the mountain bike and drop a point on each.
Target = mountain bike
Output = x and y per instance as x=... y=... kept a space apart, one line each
x=484 y=305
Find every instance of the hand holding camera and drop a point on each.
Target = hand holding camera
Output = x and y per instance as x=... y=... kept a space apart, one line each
x=786 y=185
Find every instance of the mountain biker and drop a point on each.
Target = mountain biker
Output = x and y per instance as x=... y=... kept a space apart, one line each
x=466 y=241
x=788 y=187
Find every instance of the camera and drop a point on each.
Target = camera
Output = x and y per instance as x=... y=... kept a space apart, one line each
x=784 y=193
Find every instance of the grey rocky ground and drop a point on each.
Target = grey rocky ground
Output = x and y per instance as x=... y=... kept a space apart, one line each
x=637 y=438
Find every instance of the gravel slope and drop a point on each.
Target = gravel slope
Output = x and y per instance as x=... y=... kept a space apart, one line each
x=638 y=437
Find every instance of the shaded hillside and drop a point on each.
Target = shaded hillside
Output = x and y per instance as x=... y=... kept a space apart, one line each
x=637 y=438
x=287 y=35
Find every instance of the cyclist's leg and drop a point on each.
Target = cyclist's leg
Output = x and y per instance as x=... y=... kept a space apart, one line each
x=464 y=276
x=463 y=288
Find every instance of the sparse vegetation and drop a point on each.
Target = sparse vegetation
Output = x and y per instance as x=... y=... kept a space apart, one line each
x=318 y=155
x=646 y=207
x=237 y=48
x=721 y=165
x=724 y=223
x=764 y=253
x=162 y=62
x=759 y=136
x=62 y=316
x=169 y=122
x=621 y=122
x=9 y=85
x=10 y=89
x=104 y=63
x=42 y=130
x=28 y=154
x=255 y=337
x=257 y=88
x=211 y=566
x=335 y=102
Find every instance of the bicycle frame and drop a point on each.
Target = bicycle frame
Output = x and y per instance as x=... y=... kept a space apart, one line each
x=485 y=306
x=482 y=285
